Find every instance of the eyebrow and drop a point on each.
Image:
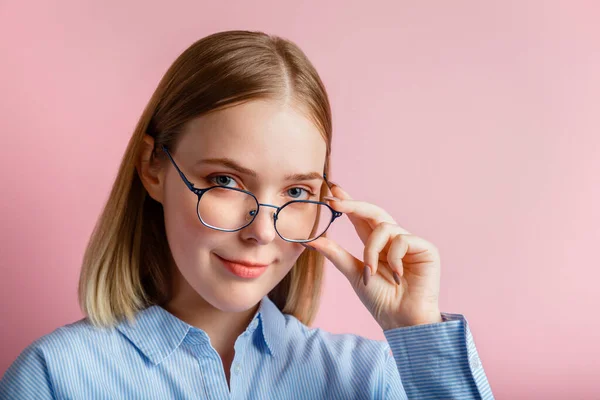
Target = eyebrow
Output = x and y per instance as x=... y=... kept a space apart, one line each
x=229 y=163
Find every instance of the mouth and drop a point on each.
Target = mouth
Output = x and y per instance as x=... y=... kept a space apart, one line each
x=243 y=269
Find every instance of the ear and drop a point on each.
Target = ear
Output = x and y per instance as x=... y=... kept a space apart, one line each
x=150 y=170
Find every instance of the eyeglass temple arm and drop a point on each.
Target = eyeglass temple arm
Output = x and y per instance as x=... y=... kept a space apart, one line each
x=326 y=181
x=336 y=214
x=185 y=180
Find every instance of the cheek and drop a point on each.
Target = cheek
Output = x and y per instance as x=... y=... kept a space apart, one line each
x=180 y=213
x=289 y=256
x=184 y=229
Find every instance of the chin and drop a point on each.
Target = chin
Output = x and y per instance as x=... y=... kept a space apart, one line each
x=234 y=299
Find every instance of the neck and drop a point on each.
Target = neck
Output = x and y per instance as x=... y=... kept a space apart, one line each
x=222 y=327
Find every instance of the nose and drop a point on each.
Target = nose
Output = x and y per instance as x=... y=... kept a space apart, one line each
x=262 y=229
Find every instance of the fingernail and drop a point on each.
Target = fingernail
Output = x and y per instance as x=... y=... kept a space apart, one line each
x=331 y=198
x=397 y=278
x=366 y=274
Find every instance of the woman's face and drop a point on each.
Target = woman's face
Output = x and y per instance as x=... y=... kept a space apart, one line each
x=270 y=141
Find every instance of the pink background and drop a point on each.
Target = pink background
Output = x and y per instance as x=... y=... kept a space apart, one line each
x=475 y=125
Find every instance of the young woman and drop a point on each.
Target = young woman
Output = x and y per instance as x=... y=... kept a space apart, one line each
x=204 y=270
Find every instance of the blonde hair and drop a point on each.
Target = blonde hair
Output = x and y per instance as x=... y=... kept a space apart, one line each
x=126 y=262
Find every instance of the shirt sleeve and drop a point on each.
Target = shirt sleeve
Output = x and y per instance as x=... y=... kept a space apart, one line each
x=435 y=361
x=27 y=377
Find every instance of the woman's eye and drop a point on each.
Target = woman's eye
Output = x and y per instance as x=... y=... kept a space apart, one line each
x=296 y=192
x=221 y=180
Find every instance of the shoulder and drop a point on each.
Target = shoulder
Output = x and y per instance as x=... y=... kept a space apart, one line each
x=76 y=338
x=36 y=368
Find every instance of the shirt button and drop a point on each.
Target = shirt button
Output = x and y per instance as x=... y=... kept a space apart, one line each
x=475 y=363
x=237 y=368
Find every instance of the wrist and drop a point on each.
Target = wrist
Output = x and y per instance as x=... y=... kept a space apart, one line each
x=433 y=318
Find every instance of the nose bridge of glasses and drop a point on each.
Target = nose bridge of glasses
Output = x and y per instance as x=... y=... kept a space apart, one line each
x=268 y=205
x=271 y=206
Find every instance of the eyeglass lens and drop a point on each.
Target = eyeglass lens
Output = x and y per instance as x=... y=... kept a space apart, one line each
x=227 y=209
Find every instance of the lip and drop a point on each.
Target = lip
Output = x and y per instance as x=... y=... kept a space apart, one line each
x=243 y=269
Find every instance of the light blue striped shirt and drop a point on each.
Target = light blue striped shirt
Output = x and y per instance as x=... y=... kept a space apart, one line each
x=277 y=357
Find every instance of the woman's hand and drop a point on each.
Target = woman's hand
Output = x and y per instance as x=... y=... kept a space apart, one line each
x=399 y=280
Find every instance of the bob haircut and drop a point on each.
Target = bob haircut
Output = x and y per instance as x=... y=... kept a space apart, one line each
x=127 y=263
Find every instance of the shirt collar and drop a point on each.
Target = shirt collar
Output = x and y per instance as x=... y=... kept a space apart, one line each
x=157 y=333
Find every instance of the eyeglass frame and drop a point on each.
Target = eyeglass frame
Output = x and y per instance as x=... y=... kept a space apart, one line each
x=200 y=192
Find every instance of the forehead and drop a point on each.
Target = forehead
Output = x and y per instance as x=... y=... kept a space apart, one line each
x=260 y=134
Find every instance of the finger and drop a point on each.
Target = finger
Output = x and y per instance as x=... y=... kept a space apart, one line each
x=346 y=263
x=339 y=192
x=383 y=234
x=396 y=252
x=364 y=216
x=362 y=227
x=361 y=210
x=342 y=194
x=410 y=249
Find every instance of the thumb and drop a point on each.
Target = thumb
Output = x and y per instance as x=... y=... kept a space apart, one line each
x=345 y=262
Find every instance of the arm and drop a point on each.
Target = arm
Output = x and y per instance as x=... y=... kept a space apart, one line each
x=398 y=281
x=436 y=361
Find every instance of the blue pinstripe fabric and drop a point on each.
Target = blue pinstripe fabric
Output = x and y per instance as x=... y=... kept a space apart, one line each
x=277 y=357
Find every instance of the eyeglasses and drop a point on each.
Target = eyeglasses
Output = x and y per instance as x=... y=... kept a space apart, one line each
x=230 y=209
